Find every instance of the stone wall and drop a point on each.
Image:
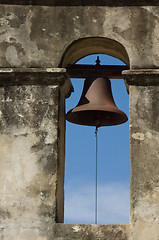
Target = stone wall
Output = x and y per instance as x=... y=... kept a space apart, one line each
x=37 y=39
x=38 y=36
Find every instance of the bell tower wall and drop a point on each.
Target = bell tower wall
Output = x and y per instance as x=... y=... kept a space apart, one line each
x=38 y=39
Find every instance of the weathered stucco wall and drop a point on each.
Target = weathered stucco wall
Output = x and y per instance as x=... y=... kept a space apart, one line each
x=144 y=127
x=37 y=36
x=31 y=153
x=34 y=42
x=144 y=143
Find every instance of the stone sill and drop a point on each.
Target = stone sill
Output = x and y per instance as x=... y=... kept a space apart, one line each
x=141 y=72
x=142 y=77
x=32 y=75
x=36 y=76
x=32 y=70
x=87 y=231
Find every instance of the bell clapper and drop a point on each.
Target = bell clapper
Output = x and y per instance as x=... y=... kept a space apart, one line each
x=96 y=131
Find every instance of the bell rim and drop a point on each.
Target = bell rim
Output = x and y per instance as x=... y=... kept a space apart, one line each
x=75 y=117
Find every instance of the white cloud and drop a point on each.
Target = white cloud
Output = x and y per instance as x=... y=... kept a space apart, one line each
x=113 y=203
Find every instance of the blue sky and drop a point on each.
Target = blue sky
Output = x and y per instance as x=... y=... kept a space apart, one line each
x=113 y=161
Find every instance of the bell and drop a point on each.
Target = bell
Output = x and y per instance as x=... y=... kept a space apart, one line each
x=96 y=106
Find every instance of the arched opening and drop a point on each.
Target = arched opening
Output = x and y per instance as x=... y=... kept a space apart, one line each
x=113 y=163
x=95 y=45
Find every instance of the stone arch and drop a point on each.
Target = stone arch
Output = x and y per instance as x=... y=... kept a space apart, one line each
x=94 y=45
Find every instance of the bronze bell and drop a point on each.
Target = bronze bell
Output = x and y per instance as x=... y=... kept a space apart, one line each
x=96 y=106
